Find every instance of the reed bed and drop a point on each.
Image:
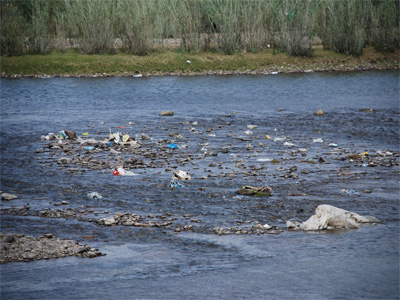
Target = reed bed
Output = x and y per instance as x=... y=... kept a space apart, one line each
x=224 y=26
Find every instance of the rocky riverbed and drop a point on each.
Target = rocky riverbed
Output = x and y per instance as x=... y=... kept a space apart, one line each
x=226 y=150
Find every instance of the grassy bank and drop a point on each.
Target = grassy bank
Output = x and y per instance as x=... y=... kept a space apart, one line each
x=175 y=63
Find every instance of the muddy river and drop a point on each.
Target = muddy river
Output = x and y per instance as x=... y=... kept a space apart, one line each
x=200 y=241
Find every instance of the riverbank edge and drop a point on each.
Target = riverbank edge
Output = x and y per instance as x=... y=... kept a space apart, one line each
x=206 y=73
x=72 y=64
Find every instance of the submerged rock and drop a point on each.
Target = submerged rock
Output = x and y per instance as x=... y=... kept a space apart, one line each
x=264 y=191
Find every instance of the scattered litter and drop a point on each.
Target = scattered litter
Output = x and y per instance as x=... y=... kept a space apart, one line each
x=49 y=136
x=94 y=195
x=274 y=73
x=288 y=144
x=211 y=134
x=248 y=132
x=318 y=140
x=125 y=138
x=264 y=159
x=85 y=133
x=175 y=184
x=116 y=172
x=173 y=146
x=279 y=139
x=319 y=112
x=266 y=226
x=188 y=61
x=88 y=148
x=124 y=172
x=333 y=145
x=267 y=137
x=195 y=123
x=251 y=127
x=137 y=75
x=62 y=134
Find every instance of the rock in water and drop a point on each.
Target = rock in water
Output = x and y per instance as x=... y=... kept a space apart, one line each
x=70 y=134
x=8 y=197
x=330 y=217
x=263 y=191
x=167 y=113
x=181 y=175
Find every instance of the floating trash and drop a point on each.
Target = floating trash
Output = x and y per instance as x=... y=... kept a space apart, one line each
x=94 y=195
x=175 y=184
x=173 y=146
x=318 y=140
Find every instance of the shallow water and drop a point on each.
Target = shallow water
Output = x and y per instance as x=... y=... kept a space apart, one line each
x=156 y=263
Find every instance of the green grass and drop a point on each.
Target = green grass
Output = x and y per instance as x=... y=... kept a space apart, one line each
x=72 y=63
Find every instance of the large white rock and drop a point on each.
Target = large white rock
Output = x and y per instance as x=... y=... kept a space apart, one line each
x=8 y=197
x=181 y=175
x=330 y=217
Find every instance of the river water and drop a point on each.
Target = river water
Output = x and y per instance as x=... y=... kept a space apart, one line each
x=159 y=263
